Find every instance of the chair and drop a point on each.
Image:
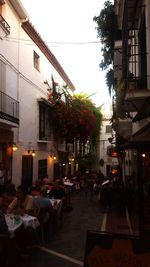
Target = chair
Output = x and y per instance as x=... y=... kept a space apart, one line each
x=43 y=217
x=3 y=249
x=8 y=251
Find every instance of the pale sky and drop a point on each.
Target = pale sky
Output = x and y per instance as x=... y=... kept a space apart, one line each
x=61 y=22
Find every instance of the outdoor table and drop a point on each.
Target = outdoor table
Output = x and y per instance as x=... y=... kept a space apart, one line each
x=57 y=205
x=12 y=226
x=68 y=186
x=26 y=220
x=30 y=221
x=68 y=183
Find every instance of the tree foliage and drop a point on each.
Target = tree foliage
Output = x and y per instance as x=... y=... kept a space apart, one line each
x=79 y=119
x=105 y=30
x=110 y=79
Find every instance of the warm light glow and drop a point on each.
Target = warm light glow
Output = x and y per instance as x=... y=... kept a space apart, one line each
x=63 y=164
x=143 y=155
x=33 y=153
x=72 y=159
x=114 y=171
x=14 y=148
x=54 y=157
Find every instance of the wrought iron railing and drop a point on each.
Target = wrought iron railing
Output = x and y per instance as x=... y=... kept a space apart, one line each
x=4 y=25
x=9 y=108
x=134 y=46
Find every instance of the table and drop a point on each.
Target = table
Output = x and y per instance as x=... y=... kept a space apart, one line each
x=12 y=226
x=68 y=186
x=30 y=221
x=26 y=220
x=57 y=204
x=68 y=183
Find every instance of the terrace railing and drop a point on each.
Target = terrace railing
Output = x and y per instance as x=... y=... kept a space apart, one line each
x=9 y=108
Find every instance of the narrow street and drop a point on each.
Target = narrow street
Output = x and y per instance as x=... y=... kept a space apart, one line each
x=66 y=248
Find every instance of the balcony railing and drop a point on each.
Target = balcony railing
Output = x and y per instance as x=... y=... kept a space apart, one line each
x=9 y=108
x=134 y=60
x=4 y=25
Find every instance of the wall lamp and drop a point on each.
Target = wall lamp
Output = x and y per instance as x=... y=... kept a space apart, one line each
x=13 y=146
x=52 y=155
x=71 y=157
x=31 y=152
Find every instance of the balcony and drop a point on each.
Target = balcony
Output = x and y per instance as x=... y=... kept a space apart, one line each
x=9 y=108
x=4 y=25
x=134 y=59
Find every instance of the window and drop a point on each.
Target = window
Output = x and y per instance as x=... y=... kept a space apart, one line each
x=143 y=54
x=42 y=168
x=45 y=122
x=108 y=128
x=42 y=123
x=36 y=61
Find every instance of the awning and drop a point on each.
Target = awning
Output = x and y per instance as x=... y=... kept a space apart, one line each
x=133 y=104
x=139 y=140
x=144 y=112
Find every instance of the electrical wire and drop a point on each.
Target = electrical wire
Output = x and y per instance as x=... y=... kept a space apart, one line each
x=53 y=43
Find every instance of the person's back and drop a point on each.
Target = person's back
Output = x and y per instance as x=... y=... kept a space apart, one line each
x=25 y=201
x=42 y=201
x=3 y=224
x=9 y=200
x=58 y=192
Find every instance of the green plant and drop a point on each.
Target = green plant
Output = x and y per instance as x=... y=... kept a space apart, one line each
x=105 y=30
x=120 y=92
x=79 y=119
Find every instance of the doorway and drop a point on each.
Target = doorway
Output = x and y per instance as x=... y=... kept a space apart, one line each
x=27 y=171
x=56 y=171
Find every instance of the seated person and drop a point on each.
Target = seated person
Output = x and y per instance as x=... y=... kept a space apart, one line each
x=46 y=180
x=58 y=192
x=42 y=200
x=25 y=201
x=9 y=200
x=44 y=210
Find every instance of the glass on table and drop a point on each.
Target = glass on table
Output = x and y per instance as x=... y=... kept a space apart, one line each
x=17 y=219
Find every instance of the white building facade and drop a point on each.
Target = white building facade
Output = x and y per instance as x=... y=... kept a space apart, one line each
x=107 y=162
x=28 y=70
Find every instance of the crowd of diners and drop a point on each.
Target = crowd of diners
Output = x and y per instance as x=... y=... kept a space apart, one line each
x=40 y=200
x=25 y=200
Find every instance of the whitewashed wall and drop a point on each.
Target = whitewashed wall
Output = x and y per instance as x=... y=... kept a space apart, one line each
x=26 y=84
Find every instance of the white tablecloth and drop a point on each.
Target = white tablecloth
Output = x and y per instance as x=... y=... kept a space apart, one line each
x=12 y=226
x=68 y=183
x=57 y=204
x=26 y=220
x=30 y=221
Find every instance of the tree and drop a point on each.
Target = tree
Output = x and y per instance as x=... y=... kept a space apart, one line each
x=79 y=119
x=105 y=30
x=90 y=117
